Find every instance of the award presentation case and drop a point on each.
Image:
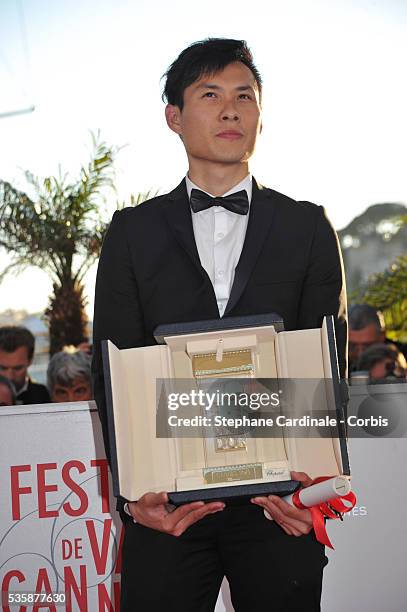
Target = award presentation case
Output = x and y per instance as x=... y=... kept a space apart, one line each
x=226 y=466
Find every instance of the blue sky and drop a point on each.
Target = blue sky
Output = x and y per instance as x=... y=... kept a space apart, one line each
x=335 y=96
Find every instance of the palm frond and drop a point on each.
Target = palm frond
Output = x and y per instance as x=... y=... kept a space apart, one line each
x=137 y=199
x=58 y=227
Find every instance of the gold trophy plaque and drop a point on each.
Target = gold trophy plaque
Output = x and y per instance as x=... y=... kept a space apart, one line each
x=220 y=462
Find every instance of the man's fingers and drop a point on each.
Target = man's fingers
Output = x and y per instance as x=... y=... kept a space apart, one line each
x=191 y=518
x=302 y=477
x=178 y=524
x=288 y=525
x=195 y=507
x=298 y=527
x=284 y=528
x=284 y=514
x=154 y=499
x=287 y=510
x=274 y=512
x=291 y=530
x=176 y=515
x=288 y=530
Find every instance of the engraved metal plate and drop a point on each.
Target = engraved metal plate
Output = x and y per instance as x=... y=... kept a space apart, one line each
x=233 y=362
x=233 y=473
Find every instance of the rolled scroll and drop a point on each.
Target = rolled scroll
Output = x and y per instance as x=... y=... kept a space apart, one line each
x=324 y=498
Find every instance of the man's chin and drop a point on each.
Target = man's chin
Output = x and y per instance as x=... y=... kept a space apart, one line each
x=230 y=158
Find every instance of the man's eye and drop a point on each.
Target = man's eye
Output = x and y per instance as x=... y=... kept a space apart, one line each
x=245 y=96
x=60 y=392
x=209 y=94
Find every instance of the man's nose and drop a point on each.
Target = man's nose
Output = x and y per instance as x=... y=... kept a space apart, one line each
x=71 y=396
x=9 y=373
x=229 y=112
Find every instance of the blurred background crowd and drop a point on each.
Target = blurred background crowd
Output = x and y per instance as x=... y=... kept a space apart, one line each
x=373 y=358
x=68 y=377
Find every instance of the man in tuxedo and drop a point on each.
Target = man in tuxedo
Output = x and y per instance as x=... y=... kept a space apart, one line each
x=17 y=345
x=218 y=245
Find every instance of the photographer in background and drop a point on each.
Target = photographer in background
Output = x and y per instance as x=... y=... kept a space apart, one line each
x=366 y=328
x=383 y=362
x=7 y=392
x=68 y=376
x=16 y=354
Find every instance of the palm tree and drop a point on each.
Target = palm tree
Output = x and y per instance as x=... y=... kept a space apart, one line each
x=59 y=230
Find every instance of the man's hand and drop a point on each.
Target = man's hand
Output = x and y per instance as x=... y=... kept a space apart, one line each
x=151 y=510
x=294 y=521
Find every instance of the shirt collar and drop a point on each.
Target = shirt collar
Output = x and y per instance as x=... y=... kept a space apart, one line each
x=246 y=184
x=24 y=387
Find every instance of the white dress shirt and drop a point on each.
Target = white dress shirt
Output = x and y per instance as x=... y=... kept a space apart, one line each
x=219 y=236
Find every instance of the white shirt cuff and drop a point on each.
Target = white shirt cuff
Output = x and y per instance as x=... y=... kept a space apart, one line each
x=127 y=511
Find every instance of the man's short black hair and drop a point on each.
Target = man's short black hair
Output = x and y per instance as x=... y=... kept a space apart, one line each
x=362 y=315
x=205 y=57
x=14 y=336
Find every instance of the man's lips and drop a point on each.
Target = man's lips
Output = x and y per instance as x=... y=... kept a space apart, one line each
x=230 y=134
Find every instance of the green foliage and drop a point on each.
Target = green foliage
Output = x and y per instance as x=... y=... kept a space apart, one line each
x=387 y=291
x=60 y=230
x=137 y=199
x=62 y=222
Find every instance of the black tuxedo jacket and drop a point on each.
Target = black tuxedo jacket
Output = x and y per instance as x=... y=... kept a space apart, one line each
x=34 y=394
x=150 y=273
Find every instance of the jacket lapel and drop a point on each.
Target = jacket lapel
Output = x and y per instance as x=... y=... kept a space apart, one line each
x=260 y=220
x=177 y=211
x=178 y=215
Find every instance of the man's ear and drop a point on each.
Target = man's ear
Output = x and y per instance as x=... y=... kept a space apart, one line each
x=173 y=117
x=29 y=359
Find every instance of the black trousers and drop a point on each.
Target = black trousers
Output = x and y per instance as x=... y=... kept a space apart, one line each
x=267 y=570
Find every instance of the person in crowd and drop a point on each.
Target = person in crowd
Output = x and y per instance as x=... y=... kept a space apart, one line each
x=7 y=392
x=383 y=362
x=68 y=376
x=17 y=346
x=366 y=327
x=86 y=347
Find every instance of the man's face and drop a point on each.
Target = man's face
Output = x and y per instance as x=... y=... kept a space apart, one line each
x=6 y=399
x=14 y=365
x=221 y=117
x=78 y=391
x=361 y=339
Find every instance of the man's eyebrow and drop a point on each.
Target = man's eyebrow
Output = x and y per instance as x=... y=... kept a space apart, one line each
x=218 y=87
x=245 y=87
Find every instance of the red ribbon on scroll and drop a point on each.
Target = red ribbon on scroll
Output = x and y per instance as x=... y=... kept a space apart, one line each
x=319 y=512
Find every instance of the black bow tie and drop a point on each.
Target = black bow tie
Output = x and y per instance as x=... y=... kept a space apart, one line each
x=236 y=202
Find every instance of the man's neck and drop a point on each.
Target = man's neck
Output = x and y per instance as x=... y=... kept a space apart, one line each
x=23 y=387
x=217 y=180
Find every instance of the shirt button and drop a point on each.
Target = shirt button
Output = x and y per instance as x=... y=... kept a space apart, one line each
x=220 y=273
x=220 y=235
